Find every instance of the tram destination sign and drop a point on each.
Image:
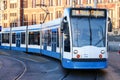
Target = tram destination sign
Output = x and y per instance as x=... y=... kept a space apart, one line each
x=88 y=13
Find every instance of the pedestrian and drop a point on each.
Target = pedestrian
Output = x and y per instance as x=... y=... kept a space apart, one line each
x=109 y=25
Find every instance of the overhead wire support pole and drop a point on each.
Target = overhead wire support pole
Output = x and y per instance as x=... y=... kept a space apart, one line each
x=47 y=12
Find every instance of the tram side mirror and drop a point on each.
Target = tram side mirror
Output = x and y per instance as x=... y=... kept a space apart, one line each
x=63 y=24
x=109 y=25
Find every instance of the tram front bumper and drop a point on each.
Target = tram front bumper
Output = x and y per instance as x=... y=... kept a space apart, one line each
x=84 y=64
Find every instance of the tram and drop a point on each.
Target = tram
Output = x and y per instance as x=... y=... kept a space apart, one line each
x=78 y=40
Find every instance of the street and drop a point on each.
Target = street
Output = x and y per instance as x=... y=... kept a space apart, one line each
x=16 y=65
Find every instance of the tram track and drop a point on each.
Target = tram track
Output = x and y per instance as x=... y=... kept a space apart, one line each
x=67 y=73
x=45 y=70
x=22 y=73
x=20 y=68
x=0 y=64
x=84 y=75
x=96 y=75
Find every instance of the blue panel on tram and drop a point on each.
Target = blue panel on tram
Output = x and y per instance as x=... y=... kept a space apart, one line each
x=54 y=30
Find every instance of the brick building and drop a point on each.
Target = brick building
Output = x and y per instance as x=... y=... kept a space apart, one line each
x=27 y=12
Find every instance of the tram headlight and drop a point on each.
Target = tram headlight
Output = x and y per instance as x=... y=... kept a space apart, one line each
x=78 y=56
x=75 y=51
x=100 y=56
x=102 y=52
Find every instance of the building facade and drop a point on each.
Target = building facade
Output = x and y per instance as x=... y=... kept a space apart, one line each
x=15 y=13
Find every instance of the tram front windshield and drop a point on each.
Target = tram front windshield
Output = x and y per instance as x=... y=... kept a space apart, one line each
x=88 y=31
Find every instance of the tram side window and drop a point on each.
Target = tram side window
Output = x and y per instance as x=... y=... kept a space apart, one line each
x=43 y=37
x=5 y=38
x=34 y=38
x=13 y=38
x=47 y=37
x=23 y=38
x=44 y=40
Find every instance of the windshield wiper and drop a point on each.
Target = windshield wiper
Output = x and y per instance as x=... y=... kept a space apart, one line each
x=90 y=30
x=102 y=39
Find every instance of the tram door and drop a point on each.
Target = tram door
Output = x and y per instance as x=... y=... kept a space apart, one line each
x=65 y=46
x=54 y=40
x=18 y=39
x=0 y=39
x=66 y=38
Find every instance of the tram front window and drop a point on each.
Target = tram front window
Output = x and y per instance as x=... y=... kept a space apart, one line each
x=88 y=31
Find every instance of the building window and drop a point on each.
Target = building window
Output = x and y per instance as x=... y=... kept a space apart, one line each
x=111 y=13
x=110 y=1
x=5 y=4
x=80 y=2
x=50 y=2
x=13 y=24
x=76 y=2
x=41 y=17
x=119 y=12
x=25 y=4
x=25 y=20
x=5 y=25
x=13 y=14
x=86 y=1
x=41 y=1
x=16 y=24
x=58 y=14
x=67 y=2
x=50 y=16
x=13 y=5
x=99 y=1
x=119 y=24
x=5 y=16
x=58 y=2
x=33 y=18
x=33 y=3
x=119 y=17
x=89 y=1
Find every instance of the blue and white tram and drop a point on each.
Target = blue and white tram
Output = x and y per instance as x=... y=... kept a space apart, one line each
x=79 y=39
